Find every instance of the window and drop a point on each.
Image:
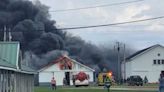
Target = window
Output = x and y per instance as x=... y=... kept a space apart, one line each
x=162 y=61
x=159 y=54
x=159 y=62
x=155 y=62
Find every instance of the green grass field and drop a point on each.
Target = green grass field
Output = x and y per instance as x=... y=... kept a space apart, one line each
x=46 y=89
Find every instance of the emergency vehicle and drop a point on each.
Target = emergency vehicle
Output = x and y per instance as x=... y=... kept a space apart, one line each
x=103 y=76
x=81 y=79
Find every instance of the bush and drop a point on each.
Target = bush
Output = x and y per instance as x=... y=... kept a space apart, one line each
x=145 y=80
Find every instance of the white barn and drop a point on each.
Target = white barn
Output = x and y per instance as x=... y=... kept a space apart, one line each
x=148 y=62
x=55 y=69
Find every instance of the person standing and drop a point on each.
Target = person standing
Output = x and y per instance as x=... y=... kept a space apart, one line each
x=64 y=82
x=161 y=83
x=53 y=83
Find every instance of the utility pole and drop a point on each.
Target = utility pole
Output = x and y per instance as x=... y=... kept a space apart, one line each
x=124 y=64
x=118 y=61
x=121 y=74
x=10 y=36
x=7 y=34
x=4 y=36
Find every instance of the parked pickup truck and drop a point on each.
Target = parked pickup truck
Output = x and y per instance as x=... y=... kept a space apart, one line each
x=135 y=81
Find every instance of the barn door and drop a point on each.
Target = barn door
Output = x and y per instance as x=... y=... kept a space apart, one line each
x=67 y=76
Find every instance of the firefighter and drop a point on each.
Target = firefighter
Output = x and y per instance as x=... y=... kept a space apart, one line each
x=107 y=83
x=53 y=83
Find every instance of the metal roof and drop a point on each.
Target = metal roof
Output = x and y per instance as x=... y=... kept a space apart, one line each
x=9 y=58
x=140 y=52
x=60 y=59
x=9 y=53
x=27 y=69
x=6 y=64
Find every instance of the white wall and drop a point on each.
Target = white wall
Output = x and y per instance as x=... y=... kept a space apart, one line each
x=59 y=77
x=45 y=76
x=128 y=69
x=54 y=67
x=143 y=65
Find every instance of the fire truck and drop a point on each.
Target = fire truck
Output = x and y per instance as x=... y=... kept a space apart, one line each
x=102 y=78
x=81 y=79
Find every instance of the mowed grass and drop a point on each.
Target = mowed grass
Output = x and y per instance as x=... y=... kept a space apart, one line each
x=46 y=89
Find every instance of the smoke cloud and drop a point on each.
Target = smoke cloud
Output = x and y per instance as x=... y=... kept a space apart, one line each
x=41 y=42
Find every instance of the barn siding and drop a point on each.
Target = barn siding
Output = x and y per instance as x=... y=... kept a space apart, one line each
x=11 y=81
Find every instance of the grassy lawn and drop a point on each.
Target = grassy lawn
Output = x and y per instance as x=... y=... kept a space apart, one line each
x=45 y=89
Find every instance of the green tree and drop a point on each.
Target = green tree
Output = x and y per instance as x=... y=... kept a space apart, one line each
x=145 y=80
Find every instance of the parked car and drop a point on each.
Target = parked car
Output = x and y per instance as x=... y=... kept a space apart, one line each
x=135 y=80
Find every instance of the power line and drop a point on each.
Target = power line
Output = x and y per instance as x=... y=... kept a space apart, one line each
x=105 y=5
x=113 y=24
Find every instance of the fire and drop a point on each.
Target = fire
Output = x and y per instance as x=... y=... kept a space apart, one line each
x=110 y=74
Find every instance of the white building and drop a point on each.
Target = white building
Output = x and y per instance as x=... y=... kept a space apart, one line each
x=148 y=62
x=60 y=71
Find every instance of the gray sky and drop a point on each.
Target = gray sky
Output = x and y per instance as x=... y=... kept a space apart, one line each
x=139 y=35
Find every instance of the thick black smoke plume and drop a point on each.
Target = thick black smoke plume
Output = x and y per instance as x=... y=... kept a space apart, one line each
x=31 y=25
x=42 y=42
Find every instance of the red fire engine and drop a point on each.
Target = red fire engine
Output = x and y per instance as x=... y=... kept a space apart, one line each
x=81 y=79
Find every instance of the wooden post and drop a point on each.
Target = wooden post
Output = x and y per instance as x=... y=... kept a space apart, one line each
x=9 y=81
x=3 y=81
x=29 y=83
x=19 y=83
x=26 y=82
x=7 y=87
x=32 y=83
x=0 y=80
x=15 y=82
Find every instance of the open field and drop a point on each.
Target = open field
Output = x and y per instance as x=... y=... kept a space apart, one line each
x=94 y=89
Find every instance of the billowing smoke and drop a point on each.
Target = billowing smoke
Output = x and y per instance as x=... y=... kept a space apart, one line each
x=101 y=58
x=39 y=61
x=42 y=42
x=30 y=24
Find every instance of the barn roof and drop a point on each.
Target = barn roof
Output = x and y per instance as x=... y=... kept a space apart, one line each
x=9 y=54
x=9 y=57
x=141 y=52
x=60 y=59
